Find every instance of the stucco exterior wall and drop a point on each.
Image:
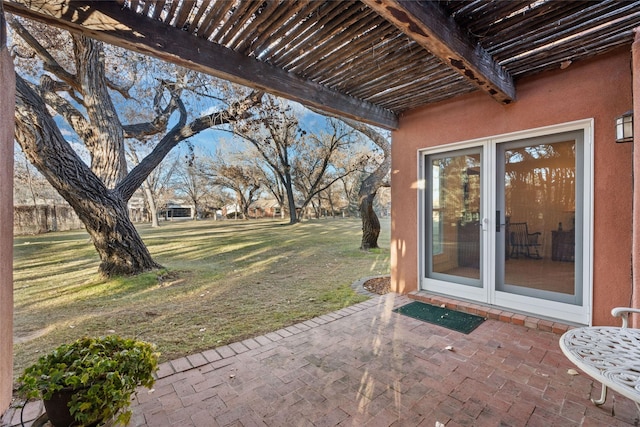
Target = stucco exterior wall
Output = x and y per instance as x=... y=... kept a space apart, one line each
x=7 y=105
x=635 y=319
x=600 y=89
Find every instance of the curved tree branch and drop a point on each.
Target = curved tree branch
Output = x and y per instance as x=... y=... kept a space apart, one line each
x=49 y=62
x=46 y=144
x=376 y=179
x=63 y=107
x=122 y=90
x=159 y=123
x=179 y=133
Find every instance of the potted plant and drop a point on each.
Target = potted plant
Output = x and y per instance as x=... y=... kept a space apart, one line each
x=91 y=380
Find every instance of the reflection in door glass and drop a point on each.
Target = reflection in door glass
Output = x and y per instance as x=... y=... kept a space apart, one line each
x=540 y=209
x=455 y=216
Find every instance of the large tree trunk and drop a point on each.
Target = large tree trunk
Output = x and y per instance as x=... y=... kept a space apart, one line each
x=293 y=215
x=103 y=211
x=99 y=194
x=369 y=187
x=153 y=209
x=106 y=143
x=195 y=211
x=370 y=221
x=121 y=250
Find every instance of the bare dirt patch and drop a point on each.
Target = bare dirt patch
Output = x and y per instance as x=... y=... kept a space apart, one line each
x=172 y=278
x=378 y=285
x=19 y=339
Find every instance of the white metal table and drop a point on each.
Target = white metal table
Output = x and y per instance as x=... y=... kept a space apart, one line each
x=609 y=355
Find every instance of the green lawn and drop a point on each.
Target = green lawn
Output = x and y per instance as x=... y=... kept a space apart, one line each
x=225 y=281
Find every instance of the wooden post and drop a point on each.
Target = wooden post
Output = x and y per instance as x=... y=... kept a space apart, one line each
x=7 y=107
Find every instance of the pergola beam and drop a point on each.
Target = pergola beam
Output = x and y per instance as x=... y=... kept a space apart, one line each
x=109 y=22
x=429 y=26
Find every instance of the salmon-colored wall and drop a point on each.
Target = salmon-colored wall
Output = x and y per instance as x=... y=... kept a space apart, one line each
x=635 y=320
x=7 y=105
x=601 y=89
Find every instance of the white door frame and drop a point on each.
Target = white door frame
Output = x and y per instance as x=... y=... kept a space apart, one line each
x=487 y=294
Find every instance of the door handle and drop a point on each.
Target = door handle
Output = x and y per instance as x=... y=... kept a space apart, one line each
x=499 y=223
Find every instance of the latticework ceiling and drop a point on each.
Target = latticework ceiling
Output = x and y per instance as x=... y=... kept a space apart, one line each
x=371 y=59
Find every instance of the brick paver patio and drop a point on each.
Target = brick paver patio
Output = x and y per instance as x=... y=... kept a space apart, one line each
x=366 y=365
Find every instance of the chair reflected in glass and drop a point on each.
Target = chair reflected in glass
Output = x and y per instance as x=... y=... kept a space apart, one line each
x=522 y=242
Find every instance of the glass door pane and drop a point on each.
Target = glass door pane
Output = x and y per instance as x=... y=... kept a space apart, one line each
x=453 y=235
x=537 y=206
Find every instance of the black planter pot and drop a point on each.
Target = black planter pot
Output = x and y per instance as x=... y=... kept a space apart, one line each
x=58 y=409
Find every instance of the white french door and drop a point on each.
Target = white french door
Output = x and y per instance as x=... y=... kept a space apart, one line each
x=507 y=221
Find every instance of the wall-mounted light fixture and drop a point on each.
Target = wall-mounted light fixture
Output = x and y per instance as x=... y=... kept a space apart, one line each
x=624 y=127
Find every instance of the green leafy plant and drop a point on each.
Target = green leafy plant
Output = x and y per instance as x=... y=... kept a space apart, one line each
x=102 y=372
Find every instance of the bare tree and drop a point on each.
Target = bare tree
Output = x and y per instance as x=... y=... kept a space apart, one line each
x=296 y=163
x=78 y=90
x=241 y=176
x=350 y=186
x=371 y=184
x=320 y=164
x=157 y=183
x=335 y=198
x=192 y=182
x=270 y=180
x=274 y=132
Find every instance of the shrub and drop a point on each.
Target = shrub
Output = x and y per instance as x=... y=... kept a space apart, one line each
x=102 y=372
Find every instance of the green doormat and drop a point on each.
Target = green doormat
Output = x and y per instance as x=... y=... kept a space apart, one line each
x=456 y=320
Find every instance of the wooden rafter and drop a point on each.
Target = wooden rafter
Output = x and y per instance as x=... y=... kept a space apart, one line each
x=432 y=29
x=370 y=61
x=109 y=22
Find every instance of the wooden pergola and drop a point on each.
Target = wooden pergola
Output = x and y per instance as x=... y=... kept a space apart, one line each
x=369 y=60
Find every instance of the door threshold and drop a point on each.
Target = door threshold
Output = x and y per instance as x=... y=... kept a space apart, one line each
x=492 y=312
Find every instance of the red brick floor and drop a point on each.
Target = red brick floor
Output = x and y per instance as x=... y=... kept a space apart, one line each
x=366 y=365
